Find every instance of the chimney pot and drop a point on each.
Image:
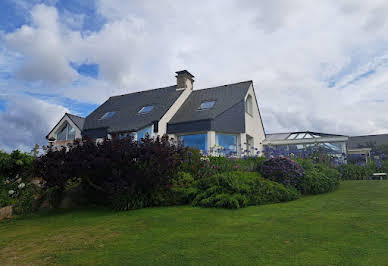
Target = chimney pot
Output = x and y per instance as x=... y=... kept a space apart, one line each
x=184 y=80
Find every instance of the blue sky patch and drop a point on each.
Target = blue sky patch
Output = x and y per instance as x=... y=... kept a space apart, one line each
x=3 y=105
x=87 y=70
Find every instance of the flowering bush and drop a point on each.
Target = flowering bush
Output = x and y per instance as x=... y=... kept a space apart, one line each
x=283 y=170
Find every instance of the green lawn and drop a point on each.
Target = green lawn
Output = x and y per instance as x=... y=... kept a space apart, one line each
x=346 y=227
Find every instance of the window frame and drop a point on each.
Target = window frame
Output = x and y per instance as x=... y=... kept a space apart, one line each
x=230 y=135
x=212 y=102
x=249 y=105
x=180 y=137
x=144 y=107
x=106 y=115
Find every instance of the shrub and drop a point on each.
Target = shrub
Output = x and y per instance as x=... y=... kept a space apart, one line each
x=240 y=189
x=357 y=172
x=117 y=169
x=316 y=182
x=183 y=188
x=26 y=201
x=283 y=170
x=15 y=165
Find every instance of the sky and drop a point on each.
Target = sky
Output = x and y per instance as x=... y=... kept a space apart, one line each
x=316 y=65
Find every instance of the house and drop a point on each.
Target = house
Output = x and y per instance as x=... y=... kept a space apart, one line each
x=66 y=130
x=226 y=118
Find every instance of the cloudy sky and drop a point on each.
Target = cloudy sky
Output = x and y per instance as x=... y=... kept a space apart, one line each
x=319 y=66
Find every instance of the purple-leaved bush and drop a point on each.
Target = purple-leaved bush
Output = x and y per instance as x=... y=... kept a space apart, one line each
x=283 y=170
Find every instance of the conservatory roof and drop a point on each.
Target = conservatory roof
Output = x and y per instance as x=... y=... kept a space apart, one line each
x=301 y=137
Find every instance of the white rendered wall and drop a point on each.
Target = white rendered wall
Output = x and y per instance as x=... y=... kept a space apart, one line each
x=253 y=124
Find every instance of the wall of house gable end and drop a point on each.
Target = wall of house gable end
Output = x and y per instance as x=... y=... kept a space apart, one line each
x=253 y=123
x=53 y=133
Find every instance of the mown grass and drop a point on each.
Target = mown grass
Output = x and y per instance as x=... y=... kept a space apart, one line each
x=345 y=227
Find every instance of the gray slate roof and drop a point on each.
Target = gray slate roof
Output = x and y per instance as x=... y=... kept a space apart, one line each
x=225 y=97
x=367 y=141
x=127 y=107
x=79 y=121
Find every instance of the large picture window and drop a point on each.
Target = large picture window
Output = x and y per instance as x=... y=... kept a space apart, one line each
x=142 y=133
x=66 y=133
x=227 y=142
x=198 y=141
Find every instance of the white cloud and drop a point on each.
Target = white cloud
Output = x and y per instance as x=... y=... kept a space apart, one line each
x=307 y=59
x=26 y=122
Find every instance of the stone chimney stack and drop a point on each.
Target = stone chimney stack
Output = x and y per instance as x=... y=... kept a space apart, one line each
x=184 y=80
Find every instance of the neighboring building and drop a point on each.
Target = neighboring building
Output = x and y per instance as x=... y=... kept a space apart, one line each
x=294 y=141
x=225 y=118
x=66 y=130
x=363 y=145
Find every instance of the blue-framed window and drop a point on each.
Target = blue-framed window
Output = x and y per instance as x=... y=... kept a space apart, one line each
x=198 y=141
x=226 y=143
x=142 y=133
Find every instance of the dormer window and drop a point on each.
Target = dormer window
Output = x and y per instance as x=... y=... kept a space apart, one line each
x=107 y=115
x=146 y=109
x=207 y=105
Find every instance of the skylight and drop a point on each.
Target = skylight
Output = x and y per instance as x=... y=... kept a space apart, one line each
x=207 y=105
x=107 y=115
x=146 y=109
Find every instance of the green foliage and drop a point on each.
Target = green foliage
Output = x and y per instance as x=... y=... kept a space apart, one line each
x=183 y=188
x=15 y=165
x=240 y=189
x=25 y=203
x=357 y=172
x=319 y=177
x=54 y=195
x=316 y=182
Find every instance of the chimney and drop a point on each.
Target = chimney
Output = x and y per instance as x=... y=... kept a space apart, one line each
x=184 y=80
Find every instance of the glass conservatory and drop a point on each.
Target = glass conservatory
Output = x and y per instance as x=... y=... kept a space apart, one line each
x=298 y=143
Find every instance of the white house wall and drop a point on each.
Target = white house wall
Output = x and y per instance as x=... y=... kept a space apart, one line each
x=253 y=123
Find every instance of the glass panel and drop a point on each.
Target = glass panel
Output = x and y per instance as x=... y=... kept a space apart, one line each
x=198 y=141
x=248 y=105
x=71 y=133
x=146 y=109
x=308 y=136
x=142 y=133
x=126 y=135
x=107 y=115
x=207 y=105
x=62 y=134
x=300 y=136
x=227 y=142
x=292 y=136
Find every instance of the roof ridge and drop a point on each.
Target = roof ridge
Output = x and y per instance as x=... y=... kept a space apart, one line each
x=369 y=135
x=142 y=91
x=224 y=85
x=75 y=115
